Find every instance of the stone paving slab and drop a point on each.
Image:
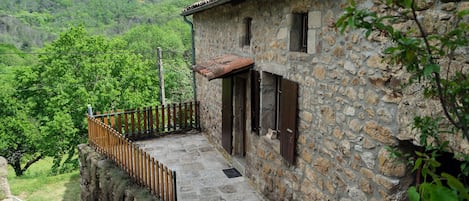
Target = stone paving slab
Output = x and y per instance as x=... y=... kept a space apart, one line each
x=199 y=169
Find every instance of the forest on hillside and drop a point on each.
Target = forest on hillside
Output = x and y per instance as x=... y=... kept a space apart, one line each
x=59 y=56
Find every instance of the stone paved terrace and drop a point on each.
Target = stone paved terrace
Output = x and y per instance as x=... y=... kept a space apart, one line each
x=198 y=165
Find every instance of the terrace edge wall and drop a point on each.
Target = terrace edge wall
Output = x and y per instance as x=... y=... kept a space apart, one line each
x=102 y=180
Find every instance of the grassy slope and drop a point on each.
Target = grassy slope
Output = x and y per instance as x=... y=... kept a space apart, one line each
x=37 y=185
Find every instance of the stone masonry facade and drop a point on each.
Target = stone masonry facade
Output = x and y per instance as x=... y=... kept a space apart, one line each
x=349 y=108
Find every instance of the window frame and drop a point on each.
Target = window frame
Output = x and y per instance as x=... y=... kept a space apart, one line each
x=247 y=31
x=299 y=32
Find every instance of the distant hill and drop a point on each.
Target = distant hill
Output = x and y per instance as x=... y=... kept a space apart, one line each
x=30 y=23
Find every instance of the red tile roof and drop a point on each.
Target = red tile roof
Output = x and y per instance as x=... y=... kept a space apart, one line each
x=223 y=66
x=202 y=5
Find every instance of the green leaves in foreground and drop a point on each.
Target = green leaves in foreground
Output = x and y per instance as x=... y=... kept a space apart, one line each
x=421 y=53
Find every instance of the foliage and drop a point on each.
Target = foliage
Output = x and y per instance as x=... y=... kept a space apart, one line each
x=44 y=92
x=110 y=17
x=18 y=133
x=44 y=112
x=430 y=59
x=147 y=38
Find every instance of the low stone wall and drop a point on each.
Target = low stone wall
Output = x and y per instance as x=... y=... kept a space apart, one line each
x=102 y=180
x=4 y=187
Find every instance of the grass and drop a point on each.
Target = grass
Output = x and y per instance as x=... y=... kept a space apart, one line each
x=37 y=185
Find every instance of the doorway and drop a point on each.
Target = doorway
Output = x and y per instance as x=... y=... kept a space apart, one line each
x=234 y=118
x=239 y=121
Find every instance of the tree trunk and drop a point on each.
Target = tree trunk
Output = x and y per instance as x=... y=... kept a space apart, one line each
x=17 y=167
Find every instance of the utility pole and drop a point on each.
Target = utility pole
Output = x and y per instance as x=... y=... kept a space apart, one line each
x=161 y=76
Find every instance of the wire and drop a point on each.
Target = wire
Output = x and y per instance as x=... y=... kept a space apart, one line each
x=82 y=53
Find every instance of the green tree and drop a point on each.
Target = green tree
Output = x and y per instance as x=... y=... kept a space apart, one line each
x=76 y=70
x=432 y=59
x=171 y=39
x=19 y=136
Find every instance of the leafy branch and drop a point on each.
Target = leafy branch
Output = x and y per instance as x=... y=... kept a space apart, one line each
x=422 y=54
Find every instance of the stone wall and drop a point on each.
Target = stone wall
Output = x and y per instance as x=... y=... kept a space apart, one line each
x=102 y=180
x=4 y=187
x=349 y=106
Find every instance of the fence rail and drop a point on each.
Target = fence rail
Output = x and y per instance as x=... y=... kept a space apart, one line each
x=147 y=122
x=145 y=169
x=112 y=133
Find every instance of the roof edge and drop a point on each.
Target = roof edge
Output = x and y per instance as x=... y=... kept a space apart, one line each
x=194 y=8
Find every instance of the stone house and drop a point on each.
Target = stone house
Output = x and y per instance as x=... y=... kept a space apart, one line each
x=306 y=113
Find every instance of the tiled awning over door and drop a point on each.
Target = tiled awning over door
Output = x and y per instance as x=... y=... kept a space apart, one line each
x=223 y=66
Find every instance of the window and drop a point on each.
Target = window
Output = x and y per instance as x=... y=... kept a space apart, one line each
x=299 y=32
x=247 y=31
x=279 y=111
x=255 y=100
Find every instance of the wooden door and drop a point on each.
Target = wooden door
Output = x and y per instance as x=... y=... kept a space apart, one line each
x=239 y=132
x=227 y=114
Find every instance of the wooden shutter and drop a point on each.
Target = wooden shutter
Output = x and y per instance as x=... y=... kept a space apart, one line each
x=227 y=114
x=288 y=111
x=255 y=101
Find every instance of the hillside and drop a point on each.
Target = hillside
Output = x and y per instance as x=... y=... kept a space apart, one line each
x=31 y=23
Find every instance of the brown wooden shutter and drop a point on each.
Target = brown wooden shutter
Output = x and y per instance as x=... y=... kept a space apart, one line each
x=255 y=101
x=227 y=114
x=288 y=111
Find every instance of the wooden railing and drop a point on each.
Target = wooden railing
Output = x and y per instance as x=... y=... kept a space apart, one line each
x=145 y=169
x=148 y=122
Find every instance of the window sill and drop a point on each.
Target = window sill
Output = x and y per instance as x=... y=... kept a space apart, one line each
x=302 y=56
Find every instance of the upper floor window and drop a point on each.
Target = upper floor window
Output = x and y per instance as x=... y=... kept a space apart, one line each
x=299 y=32
x=247 y=31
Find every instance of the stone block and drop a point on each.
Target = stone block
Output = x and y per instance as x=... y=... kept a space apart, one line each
x=356 y=194
x=365 y=186
x=344 y=148
x=4 y=187
x=384 y=115
x=306 y=116
x=380 y=133
x=386 y=182
x=355 y=163
x=376 y=62
x=349 y=111
x=328 y=114
x=311 y=42
x=338 y=52
x=337 y=133
x=351 y=93
x=355 y=125
x=282 y=33
x=314 y=19
x=322 y=165
x=311 y=175
x=331 y=187
x=350 y=67
x=319 y=72
x=371 y=97
x=368 y=144
x=369 y=159
x=392 y=97
x=330 y=40
x=306 y=155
